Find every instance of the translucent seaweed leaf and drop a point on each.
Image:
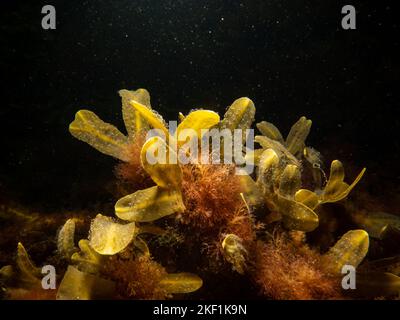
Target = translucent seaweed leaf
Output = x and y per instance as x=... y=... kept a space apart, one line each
x=199 y=119
x=29 y=272
x=133 y=120
x=253 y=156
x=100 y=135
x=376 y=284
x=390 y=236
x=164 y=172
x=149 y=204
x=290 y=181
x=240 y=115
x=87 y=259
x=78 y=285
x=349 y=250
x=267 y=166
x=65 y=241
x=6 y=272
x=150 y=228
x=335 y=189
x=390 y=264
x=336 y=177
x=307 y=197
x=313 y=157
x=269 y=130
x=375 y=222
x=108 y=237
x=251 y=191
x=297 y=216
x=141 y=245
x=234 y=252
x=280 y=150
x=152 y=118
x=181 y=283
x=297 y=136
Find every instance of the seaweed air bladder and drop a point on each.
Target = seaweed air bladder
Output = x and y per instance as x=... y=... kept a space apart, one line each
x=253 y=226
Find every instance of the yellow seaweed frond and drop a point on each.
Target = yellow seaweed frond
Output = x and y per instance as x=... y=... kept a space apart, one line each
x=79 y=285
x=29 y=272
x=240 y=115
x=87 y=259
x=336 y=189
x=180 y=283
x=134 y=123
x=65 y=240
x=269 y=130
x=107 y=237
x=160 y=162
x=297 y=136
x=152 y=118
x=104 y=137
x=149 y=204
x=351 y=249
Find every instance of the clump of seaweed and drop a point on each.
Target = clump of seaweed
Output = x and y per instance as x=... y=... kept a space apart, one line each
x=136 y=278
x=215 y=210
x=288 y=269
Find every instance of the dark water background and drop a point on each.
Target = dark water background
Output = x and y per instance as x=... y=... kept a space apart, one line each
x=290 y=57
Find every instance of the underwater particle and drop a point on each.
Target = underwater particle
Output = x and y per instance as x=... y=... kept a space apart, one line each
x=180 y=282
x=65 y=240
x=234 y=252
x=149 y=204
x=78 y=285
x=351 y=249
x=108 y=237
